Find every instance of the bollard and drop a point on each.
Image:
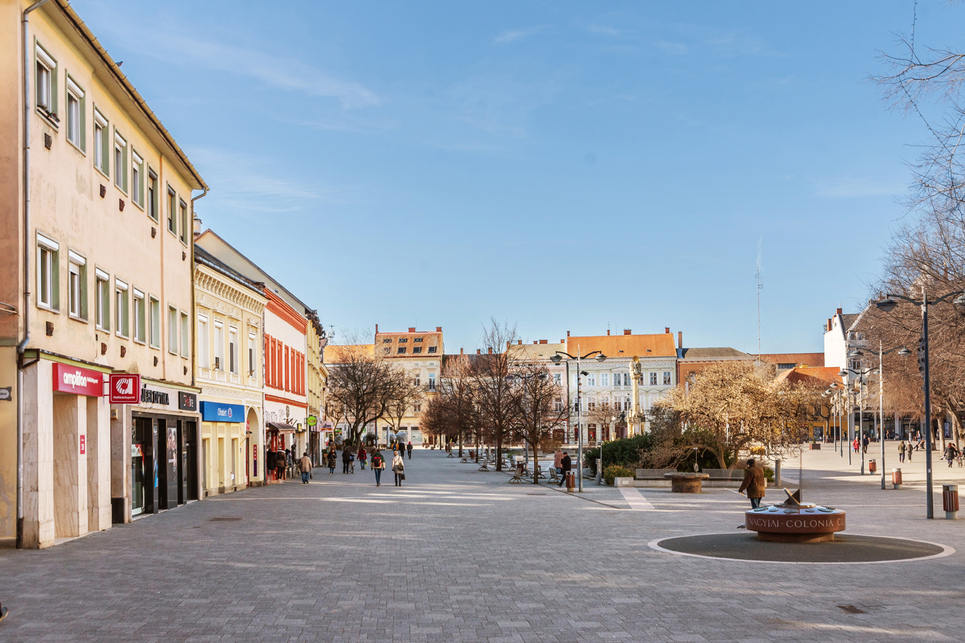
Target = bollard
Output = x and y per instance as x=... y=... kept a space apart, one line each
x=599 y=470
x=570 y=481
x=872 y=466
x=896 y=478
x=950 y=501
x=777 y=473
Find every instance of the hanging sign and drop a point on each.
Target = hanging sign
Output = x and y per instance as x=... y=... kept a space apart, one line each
x=77 y=380
x=125 y=388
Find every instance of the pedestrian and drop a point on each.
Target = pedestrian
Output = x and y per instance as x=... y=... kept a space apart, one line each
x=557 y=459
x=565 y=464
x=305 y=466
x=3 y=612
x=909 y=450
x=378 y=466
x=901 y=451
x=346 y=458
x=398 y=468
x=281 y=465
x=331 y=459
x=362 y=456
x=950 y=454
x=408 y=448
x=864 y=444
x=754 y=483
x=854 y=445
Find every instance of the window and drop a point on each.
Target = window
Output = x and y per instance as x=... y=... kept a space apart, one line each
x=604 y=379
x=183 y=210
x=252 y=353
x=401 y=350
x=48 y=267
x=417 y=381
x=653 y=379
x=666 y=378
x=432 y=382
x=46 y=84
x=591 y=379
x=558 y=379
x=432 y=349
x=185 y=335
x=387 y=350
x=77 y=286
x=137 y=179
x=152 y=194
x=204 y=358
x=233 y=350
x=626 y=379
x=417 y=408
x=172 y=330
x=76 y=115
x=558 y=405
x=121 y=309
x=403 y=340
x=591 y=405
x=140 y=317
x=416 y=349
x=218 y=345
x=101 y=159
x=155 y=323
x=417 y=340
x=386 y=341
x=172 y=211
x=120 y=162
x=102 y=314
x=786 y=366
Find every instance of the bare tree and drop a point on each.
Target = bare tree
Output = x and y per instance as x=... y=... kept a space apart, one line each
x=452 y=413
x=495 y=395
x=363 y=387
x=538 y=413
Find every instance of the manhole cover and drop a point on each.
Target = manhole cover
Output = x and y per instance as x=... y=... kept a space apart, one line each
x=225 y=519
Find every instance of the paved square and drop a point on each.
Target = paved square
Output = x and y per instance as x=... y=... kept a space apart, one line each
x=460 y=555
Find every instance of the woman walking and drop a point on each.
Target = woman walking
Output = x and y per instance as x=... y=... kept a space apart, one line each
x=361 y=456
x=331 y=459
x=378 y=466
x=398 y=468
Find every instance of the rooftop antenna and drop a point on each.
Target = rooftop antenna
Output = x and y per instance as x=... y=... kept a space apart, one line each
x=760 y=287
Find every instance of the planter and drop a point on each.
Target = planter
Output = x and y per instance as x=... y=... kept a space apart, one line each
x=686 y=482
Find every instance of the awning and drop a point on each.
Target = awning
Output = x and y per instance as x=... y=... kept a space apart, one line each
x=281 y=426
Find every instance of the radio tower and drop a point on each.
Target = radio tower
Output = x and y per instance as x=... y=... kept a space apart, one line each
x=760 y=287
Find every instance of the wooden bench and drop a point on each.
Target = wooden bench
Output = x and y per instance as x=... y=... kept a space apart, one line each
x=651 y=474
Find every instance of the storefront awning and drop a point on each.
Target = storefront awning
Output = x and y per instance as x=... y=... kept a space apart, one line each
x=281 y=426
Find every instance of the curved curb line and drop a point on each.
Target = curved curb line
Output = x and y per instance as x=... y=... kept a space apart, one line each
x=946 y=551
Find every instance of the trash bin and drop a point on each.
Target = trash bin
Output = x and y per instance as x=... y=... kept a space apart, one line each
x=570 y=481
x=950 y=501
x=872 y=466
x=896 y=478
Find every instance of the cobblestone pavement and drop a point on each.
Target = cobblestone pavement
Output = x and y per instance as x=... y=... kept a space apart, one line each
x=460 y=555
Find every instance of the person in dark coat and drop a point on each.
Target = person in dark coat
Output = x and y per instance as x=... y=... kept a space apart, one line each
x=330 y=460
x=346 y=458
x=565 y=465
x=754 y=483
x=408 y=448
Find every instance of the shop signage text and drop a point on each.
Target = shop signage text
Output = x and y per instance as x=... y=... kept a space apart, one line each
x=83 y=445
x=187 y=401
x=124 y=388
x=79 y=381
x=214 y=412
x=154 y=397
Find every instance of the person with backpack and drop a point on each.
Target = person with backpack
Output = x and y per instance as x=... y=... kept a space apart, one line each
x=398 y=468
x=378 y=466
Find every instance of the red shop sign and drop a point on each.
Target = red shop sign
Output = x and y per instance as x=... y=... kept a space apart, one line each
x=125 y=389
x=77 y=380
x=83 y=445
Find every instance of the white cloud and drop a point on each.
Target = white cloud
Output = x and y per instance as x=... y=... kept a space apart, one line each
x=516 y=35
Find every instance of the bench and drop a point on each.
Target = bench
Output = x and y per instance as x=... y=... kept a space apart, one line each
x=517 y=474
x=651 y=474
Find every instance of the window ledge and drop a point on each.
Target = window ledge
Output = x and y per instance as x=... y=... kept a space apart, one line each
x=51 y=118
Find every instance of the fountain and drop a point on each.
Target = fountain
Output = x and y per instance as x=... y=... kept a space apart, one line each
x=795 y=522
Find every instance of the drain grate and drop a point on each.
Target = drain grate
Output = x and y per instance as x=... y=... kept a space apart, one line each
x=535 y=494
x=851 y=609
x=225 y=519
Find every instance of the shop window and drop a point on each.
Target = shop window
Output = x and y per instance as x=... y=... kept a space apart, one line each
x=102 y=312
x=140 y=317
x=46 y=85
x=101 y=158
x=155 y=322
x=77 y=286
x=76 y=115
x=121 y=309
x=48 y=268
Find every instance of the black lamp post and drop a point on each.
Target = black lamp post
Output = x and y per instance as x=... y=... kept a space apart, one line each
x=556 y=359
x=887 y=305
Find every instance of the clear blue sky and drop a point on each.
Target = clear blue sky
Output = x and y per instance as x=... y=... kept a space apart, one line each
x=558 y=165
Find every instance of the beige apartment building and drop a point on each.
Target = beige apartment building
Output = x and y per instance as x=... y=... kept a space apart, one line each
x=229 y=313
x=419 y=354
x=95 y=278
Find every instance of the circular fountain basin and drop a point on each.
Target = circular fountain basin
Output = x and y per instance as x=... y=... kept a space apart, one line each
x=806 y=523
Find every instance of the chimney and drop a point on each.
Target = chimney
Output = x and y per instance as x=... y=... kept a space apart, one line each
x=680 y=339
x=411 y=329
x=666 y=329
x=627 y=331
x=607 y=332
x=543 y=341
x=562 y=342
x=519 y=342
x=567 y=333
x=477 y=351
x=462 y=351
x=535 y=342
x=508 y=344
x=829 y=326
x=839 y=311
x=438 y=329
x=490 y=350
x=376 y=329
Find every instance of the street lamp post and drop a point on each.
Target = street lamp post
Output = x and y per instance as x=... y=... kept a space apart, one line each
x=556 y=359
x=887 y=305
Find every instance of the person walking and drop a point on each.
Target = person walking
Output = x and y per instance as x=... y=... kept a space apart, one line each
x=378 y=466
x=950 y=454
x=362 y=456
x=901 y=451
x=398 y=468
x=346 y=458
x=408 y=448
x=864 y=444
x=305 y=466
x=330 y=460
x=557 y=460
x=754 y=483
x=565 y=465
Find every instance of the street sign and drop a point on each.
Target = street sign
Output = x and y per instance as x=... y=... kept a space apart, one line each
x=125 y=388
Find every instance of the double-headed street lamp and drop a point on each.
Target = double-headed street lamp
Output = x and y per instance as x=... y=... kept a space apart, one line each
x=856 y=353
x=556 y=359
x=887 y=305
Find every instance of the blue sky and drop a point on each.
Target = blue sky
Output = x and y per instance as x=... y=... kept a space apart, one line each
x=558 y=165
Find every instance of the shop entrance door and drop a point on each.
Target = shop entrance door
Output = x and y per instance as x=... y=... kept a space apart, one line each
x=190 y=459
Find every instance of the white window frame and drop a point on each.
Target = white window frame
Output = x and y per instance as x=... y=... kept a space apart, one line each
x=252 y=353
x=137 y=179
x=48 y=267
x=172 y=330
x=152 y=196
x=204 y=348
x=122 y=310
x=172 y=220
x=183 y=217
x=101 y=132
x=120 y=162
x=102 y=300
x=219 y=345
x=140 y=317
x=185 y=335
x=76 y=112
x=233 y=350
x=77 y=286
x=45 y=78
x=154 y=330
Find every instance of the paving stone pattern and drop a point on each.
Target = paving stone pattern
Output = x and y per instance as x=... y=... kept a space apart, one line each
x=460 y=555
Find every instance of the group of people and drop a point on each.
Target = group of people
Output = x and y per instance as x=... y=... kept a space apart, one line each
x=563 y=464
x=350 y=455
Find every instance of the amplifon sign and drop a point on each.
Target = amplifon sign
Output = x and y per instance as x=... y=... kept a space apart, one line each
x=125 y=388
x=77 y=380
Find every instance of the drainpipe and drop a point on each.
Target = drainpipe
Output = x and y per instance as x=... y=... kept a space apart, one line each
x=22 y=346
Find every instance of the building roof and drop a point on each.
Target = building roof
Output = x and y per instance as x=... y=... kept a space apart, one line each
x=714 y=354
x=822 y=375
x=798 y=359
x=203 y=257
x=338 y=353
x=660 y=345
x=536 y=352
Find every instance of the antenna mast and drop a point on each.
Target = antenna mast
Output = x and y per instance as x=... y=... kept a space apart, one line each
x=760 y=287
